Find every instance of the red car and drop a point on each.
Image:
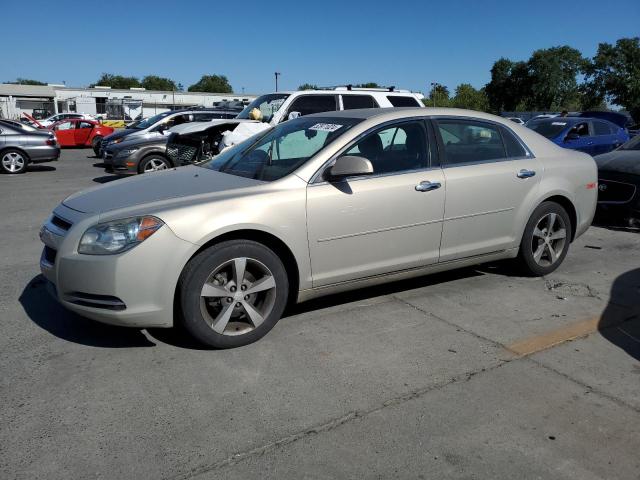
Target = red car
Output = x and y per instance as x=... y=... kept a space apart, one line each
x=79 y=132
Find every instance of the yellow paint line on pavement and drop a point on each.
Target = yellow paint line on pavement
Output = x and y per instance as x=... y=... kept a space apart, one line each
x=554 y=337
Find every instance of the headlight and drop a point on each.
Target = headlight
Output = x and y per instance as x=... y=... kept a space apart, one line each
x=118 y=236
x=117 y=140
x=126 y=152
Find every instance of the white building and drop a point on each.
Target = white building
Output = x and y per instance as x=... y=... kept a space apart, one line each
x=111 y=103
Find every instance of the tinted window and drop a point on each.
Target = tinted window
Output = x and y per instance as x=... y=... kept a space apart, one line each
x=398 y=101
x=350 y=102
x=512 y=145
x=395 y=149
x=548 y=128
x=601 y=128
x=309 y=104
x=467 y=141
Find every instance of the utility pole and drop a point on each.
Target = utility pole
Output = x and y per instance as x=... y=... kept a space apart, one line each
x=277 y=74
x=433 y=91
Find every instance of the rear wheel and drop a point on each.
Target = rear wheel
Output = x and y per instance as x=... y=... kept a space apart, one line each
x=546 y=239
x=95 y=144
x=154 y=163
x=13 y=161
x=233 y=293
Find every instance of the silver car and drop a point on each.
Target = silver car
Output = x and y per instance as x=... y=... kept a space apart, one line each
x=316 y=205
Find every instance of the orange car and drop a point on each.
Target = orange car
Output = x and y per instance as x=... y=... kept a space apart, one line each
x=79 y=132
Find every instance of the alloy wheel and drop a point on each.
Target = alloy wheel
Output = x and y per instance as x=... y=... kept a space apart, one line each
x=13 y=162
x=238 y=296
x=549 y=238
x=154 y=165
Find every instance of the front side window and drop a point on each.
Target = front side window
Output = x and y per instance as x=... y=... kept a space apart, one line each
x=308 y=104
x=469 y=141
x=580 y=129
x=351 y=102
x=85 y=125
x=64 y=126
x=395 y=149
x=280 y=150
x=400 y=101
x=267 y=105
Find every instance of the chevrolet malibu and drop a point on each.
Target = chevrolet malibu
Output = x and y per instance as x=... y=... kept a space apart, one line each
x=313 y=206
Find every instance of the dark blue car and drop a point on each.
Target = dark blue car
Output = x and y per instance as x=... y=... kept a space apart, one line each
x=590 y=135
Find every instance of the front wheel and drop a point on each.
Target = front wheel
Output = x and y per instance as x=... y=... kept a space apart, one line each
x=546 y=239
x=154 y=163
x=233 y=293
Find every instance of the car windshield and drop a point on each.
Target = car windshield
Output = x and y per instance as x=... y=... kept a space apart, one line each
x=267 y=104
x=146 y=123
x=548 y=128
x=282 y=149
x=633 y=144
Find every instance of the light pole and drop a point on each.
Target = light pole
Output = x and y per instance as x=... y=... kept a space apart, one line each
x=433 y=91
x=277 y=74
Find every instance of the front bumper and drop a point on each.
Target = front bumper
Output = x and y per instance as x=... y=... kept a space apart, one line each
x=135 y=288
x=116 y=164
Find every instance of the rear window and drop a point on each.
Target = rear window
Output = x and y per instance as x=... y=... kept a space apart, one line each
x=351 y=102
x=398 y=101
x=602 y=128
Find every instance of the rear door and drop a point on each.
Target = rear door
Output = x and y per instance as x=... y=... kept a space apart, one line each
x=82 y=133
x=489 y=175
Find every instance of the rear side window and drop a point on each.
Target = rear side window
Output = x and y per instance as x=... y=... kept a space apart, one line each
x=351 y=102
x=470 y=141
x=308 y=104
x=85 y=125
x=602 y=128
x=511 y=144
x=398 y=101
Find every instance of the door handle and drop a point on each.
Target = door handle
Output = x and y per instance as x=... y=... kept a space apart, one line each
x=427 y=186
x=524 y=173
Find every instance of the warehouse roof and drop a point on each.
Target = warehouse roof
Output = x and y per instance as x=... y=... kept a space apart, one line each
x=7 y=89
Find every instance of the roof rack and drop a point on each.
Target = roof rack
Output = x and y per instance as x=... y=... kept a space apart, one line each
x=350 y=88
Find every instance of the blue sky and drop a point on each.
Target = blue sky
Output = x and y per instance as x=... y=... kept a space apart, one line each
x=402 y=43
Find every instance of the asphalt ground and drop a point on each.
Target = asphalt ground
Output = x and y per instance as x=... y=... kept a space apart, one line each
x=475 y=373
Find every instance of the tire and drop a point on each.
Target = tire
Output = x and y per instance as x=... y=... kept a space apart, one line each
x=154 y=163
x=220 y=315
x=95 y=144
x=543 y=249
x=13 y=161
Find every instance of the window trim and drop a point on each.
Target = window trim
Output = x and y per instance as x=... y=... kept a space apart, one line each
x=499 y=126
x=318 y=177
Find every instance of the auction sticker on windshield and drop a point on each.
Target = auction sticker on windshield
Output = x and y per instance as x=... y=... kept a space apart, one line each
x=325 y=127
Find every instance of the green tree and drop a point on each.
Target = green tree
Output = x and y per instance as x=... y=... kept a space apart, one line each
x=26 y=81
x=438 y=96
x=154 y=82
x=117 y=81
x=367 y=85
x=509 y=86
x=468 y=97
x=308 y=86
x=552 y=79
x=614 y=74
x=212 y=84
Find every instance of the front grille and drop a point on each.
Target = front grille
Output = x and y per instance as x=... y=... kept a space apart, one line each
x=611 y=191
x=181 y=154
x=60 y=223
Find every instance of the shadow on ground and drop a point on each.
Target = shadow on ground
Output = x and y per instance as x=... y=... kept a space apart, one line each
x=620 y=321
x=40 y=168
x=47 y=313
x=107 y=178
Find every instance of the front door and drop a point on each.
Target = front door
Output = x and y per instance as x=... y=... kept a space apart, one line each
x=65 y=133
x=489 y=174
x=389 y=221
x=82 y=132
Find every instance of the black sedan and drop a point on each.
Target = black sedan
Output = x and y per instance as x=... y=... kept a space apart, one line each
x=21 y=144
x=619 y=184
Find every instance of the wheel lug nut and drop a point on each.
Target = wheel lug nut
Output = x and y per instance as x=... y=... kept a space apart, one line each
x=229 y=299
x=233 y=289
x=238 y=304
x=243 y=287
x=246 y=297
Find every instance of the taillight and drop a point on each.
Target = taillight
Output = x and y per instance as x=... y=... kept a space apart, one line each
x=51 y=142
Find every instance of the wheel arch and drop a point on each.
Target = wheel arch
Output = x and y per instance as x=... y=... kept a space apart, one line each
x=12 y=147
x=155 y=153
x=269 y=240
x=568 y=205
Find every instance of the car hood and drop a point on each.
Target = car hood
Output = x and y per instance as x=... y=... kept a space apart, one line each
x=622 y=161
x=152 y=187
x=120 y=133
x=193 y=127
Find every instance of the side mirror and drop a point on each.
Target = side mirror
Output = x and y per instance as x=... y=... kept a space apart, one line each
x=348 y=166
x=571 y=136
x=293 y=115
